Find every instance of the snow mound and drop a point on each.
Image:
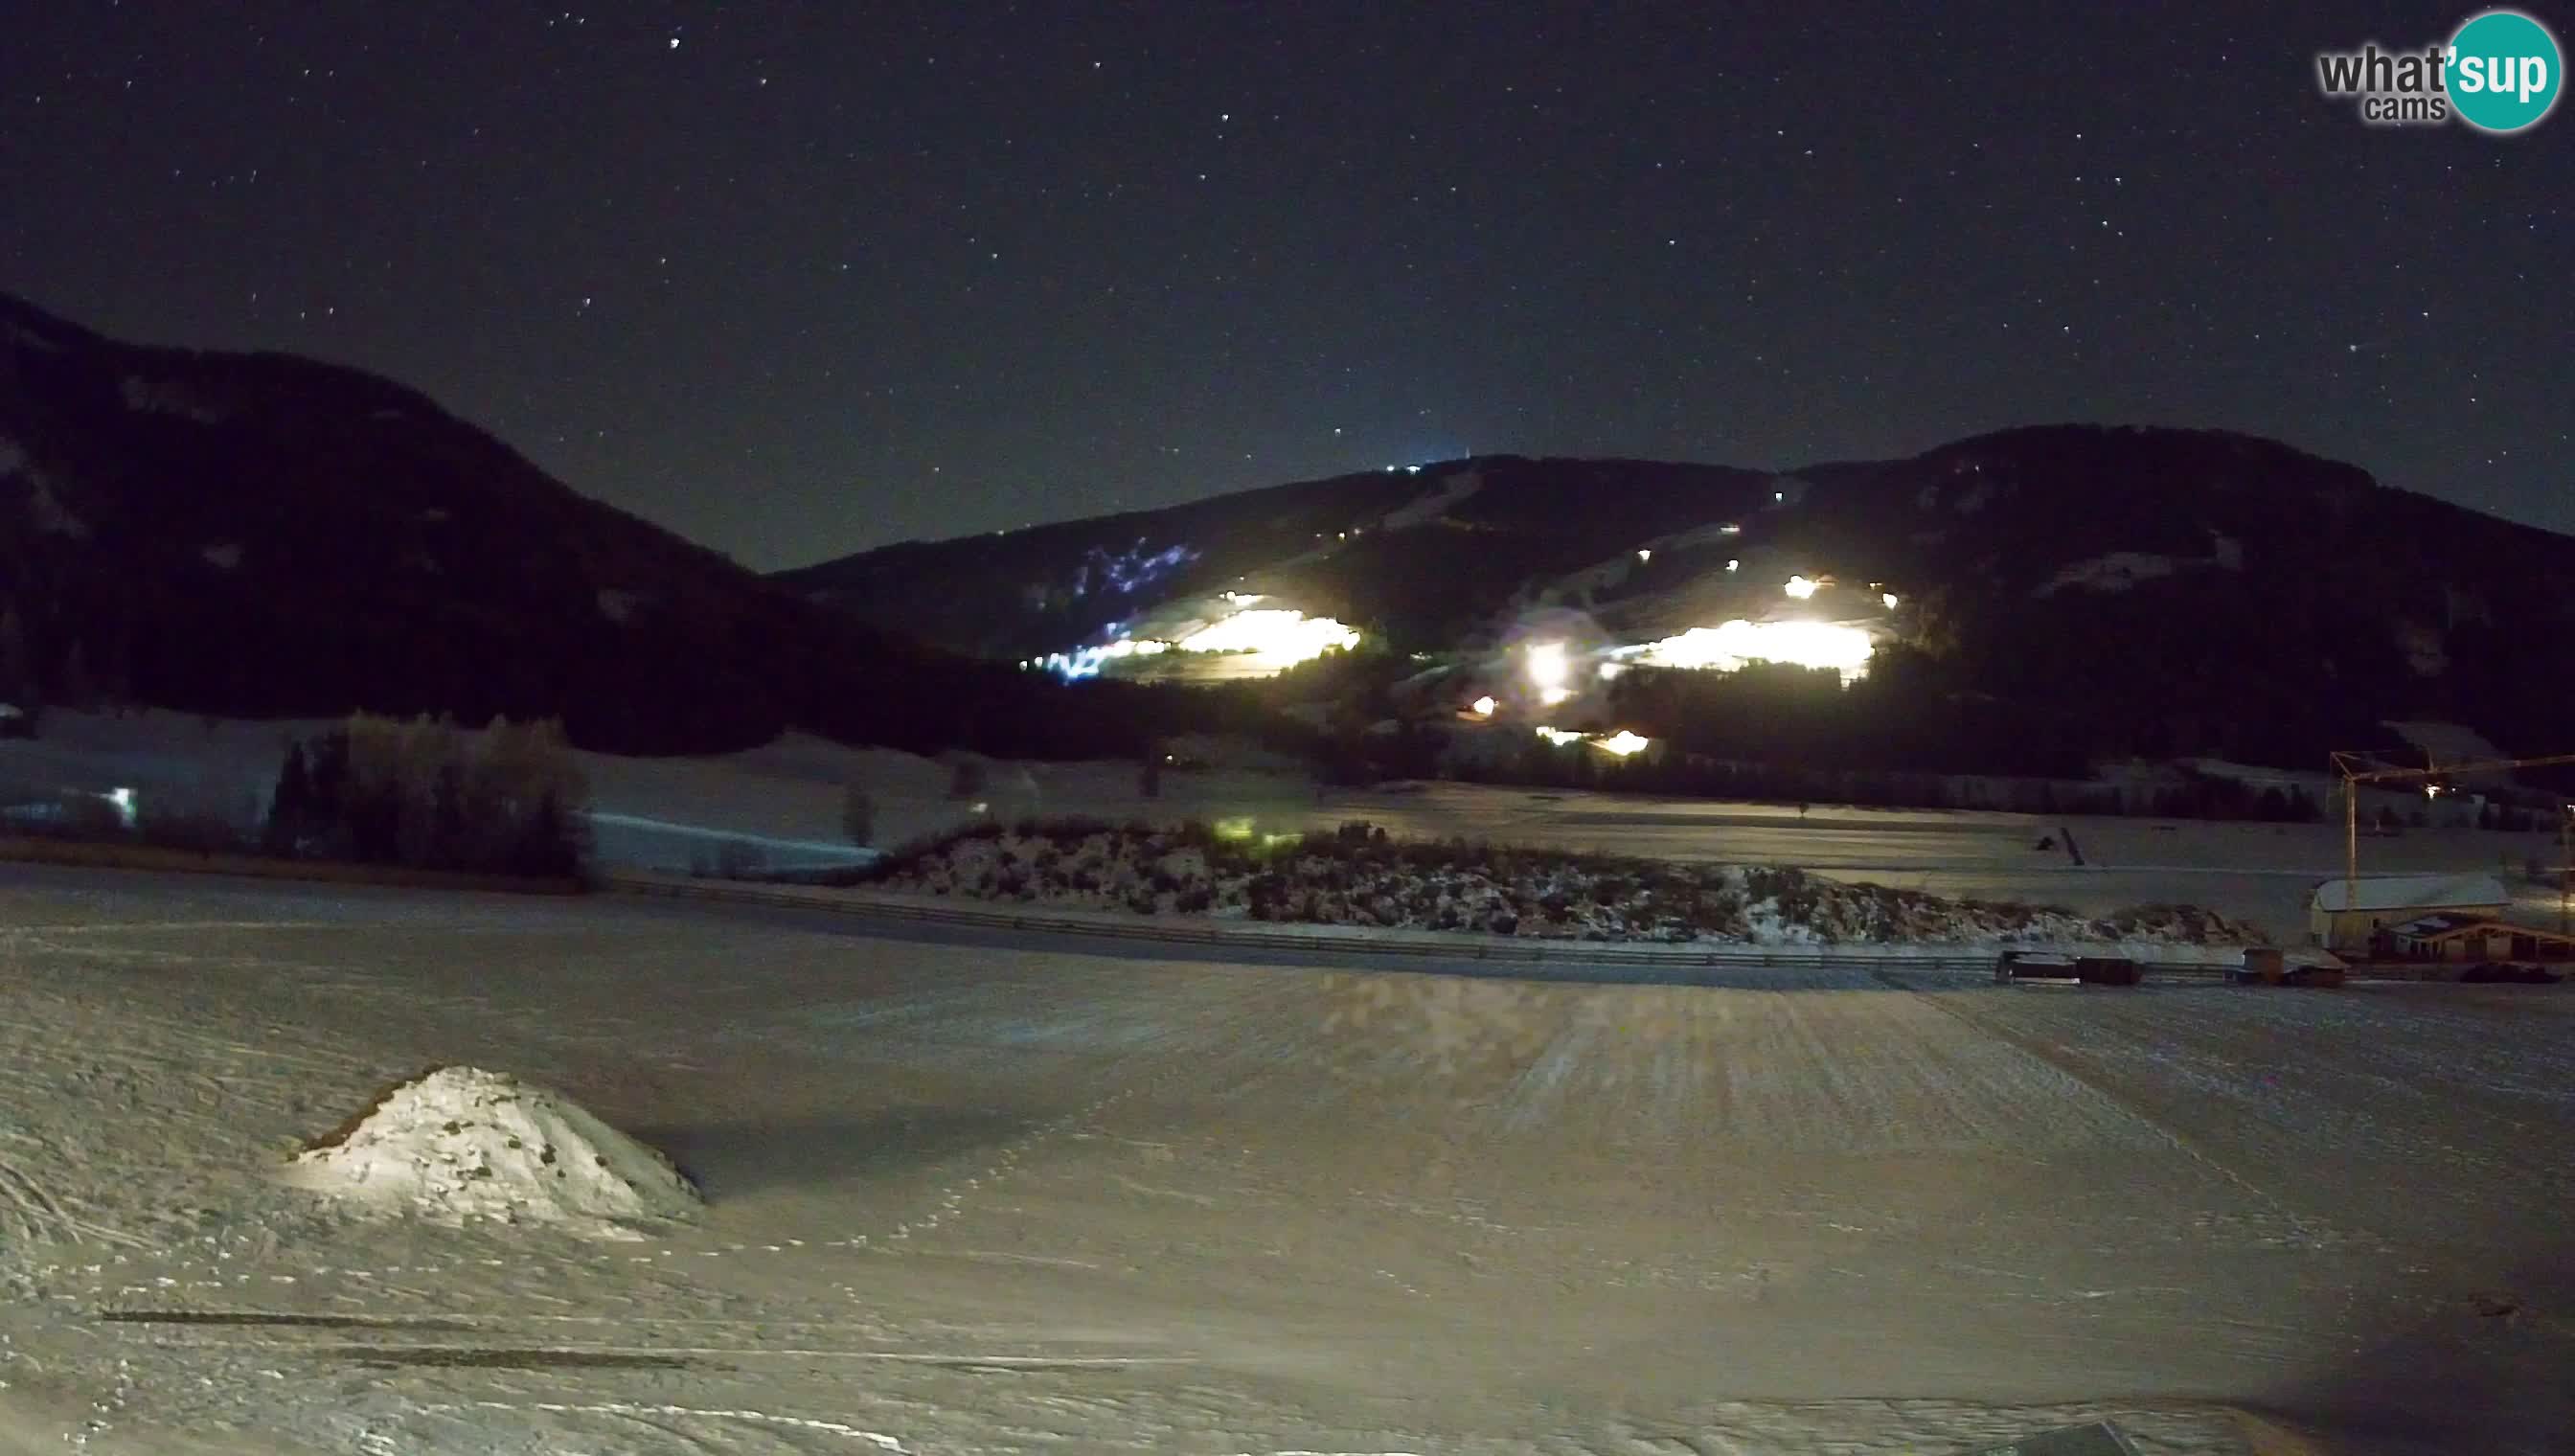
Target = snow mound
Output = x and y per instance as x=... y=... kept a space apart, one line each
x=458 y=1143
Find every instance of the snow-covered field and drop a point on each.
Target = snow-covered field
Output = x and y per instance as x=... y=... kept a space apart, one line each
x=993 y=1199
x=786 y=798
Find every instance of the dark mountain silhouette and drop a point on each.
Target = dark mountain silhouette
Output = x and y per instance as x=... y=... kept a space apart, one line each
x=265 y=534
x=2071 y=592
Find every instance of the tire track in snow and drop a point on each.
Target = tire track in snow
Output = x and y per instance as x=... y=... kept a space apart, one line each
x=119 y=927
x=1154 y=1044
x=651 y=1417
x=39 y=1216
x=2305 y=1229
x=2401 y=1088
x=26 y=1214
x=1136 y=1042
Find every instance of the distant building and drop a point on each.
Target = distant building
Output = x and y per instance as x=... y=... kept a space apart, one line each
x=2471 y=937
x=2376 y=903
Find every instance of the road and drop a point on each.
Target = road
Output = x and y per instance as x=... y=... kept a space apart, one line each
x=999 y=1197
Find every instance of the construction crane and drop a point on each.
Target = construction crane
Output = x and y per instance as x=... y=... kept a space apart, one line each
x=2359 y=769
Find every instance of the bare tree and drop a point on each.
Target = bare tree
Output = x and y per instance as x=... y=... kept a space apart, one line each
x=15 y=678
x=78 y=688
x=857 y=815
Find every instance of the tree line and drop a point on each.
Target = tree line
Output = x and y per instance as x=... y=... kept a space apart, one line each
x=509 y=799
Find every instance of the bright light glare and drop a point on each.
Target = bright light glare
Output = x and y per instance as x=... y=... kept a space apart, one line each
x=1271 y=634
x=1086 y=662
x=1800 y=587
x=1271 y=640
x=1620 y=743
x=1888 y=597
x=1547 y=666
x=1727 y=647
x=1645 y=553
x=1735 y=566
x=1611 y=669
x=1551 y=696
x=1484 y=705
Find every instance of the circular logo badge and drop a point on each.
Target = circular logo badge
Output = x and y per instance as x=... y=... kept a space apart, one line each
x=2504 y=71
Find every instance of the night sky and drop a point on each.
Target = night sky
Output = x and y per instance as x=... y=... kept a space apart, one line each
x=800 y=279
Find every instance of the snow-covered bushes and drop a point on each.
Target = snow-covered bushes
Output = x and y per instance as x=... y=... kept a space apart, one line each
x=1359 y=875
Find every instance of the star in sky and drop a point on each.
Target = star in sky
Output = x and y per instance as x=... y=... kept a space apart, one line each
x=818 y=251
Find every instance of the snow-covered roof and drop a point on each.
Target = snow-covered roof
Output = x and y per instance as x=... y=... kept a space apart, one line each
x=2436 y=928
x=2447 y=743
x=2430 y=925
x=2415 y=893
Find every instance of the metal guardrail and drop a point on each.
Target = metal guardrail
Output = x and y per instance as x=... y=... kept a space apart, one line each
x=1413 y=944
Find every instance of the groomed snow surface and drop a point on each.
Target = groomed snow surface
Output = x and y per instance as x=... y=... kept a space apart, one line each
x=456 y=1144
x=1018 y=1198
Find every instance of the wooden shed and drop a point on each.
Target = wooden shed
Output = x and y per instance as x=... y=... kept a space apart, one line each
x=2351 y=922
